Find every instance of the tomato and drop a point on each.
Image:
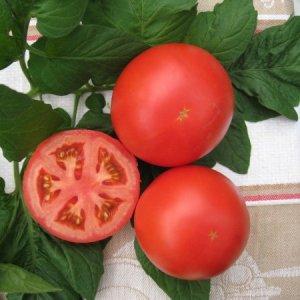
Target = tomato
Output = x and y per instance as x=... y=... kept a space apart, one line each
x=191 y=222
x=81 y=185
x=172 y=104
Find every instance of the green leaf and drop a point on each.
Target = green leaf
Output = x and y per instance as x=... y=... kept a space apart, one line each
x=225 y=32
x=104 y=243
x=56 y=76
x=104 y=77
x=76 y=269
x=24 y=123
x=14 y=279
x=9 y=51
x=153 y=21
x=95 y=118
x=146 y=174
x=66 y=118
x=20 y=10
x=56 y=18
x=95 y=103
x=270 y=68
x=23 y=297
x=8 y=209
x=81 y=265
x=60 y=66
x=13 y=29
x=207 y=161
x=251 y=109
x=176 y=289
x=235 y=149
x=156 y=171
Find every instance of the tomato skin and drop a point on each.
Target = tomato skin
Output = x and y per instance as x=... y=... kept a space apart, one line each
x=172 y=104
x=87 y=188
x=191 y=223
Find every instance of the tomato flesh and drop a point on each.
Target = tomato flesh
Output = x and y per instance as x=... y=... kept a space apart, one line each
x=191 y=223
x=172 y=104
x=81 y=185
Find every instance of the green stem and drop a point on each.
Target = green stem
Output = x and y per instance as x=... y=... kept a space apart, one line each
x=36 y=51
x=86 y=89
x=89 y=86
x=101 y=88
x=25 y=70
x=17 y=176
x=75 y=108
x=33 y=92
x=106 y=87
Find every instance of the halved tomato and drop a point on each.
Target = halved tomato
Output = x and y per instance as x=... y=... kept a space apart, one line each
x=81 y=185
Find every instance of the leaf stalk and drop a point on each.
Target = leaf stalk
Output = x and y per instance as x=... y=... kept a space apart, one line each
x=25 y=70
x=75 y=108
x=17 y=177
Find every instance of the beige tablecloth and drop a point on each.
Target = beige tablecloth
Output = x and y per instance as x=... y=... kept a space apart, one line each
x=270 y=266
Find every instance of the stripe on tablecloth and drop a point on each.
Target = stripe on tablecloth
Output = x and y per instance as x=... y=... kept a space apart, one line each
x=275 y=193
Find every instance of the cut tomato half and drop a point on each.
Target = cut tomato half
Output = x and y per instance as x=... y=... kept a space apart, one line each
x=81 y=185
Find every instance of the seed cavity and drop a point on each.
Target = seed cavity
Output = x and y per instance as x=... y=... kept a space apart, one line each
x=45 y=186
x=72 y=215
x=47 y=197
x=107 y=209
x=109 y=165
x=70 y=157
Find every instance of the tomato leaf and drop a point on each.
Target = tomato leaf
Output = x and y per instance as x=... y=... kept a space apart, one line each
x=152 y=21
x=145 y=173
x=66 y=118
x=24 y=123
x=251 y=109
x=55 y=75
x=8 y=209
x=156 y=171
x=175 y=288
x=148 y=173
x=95 y=118
x=56 y=18
x=225 y=32
x=235 y=149
x=81 y=266
x=207 y=161
x=9 y=50
x=14 y=279
x=62 y=65
x=95 y=103
x=13 y=29
x=75 y=269
x=269 y=70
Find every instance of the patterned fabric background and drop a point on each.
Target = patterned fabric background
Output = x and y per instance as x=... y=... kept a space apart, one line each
x=270 y=266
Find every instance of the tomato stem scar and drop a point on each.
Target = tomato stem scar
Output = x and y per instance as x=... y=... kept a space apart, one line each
x=213 y=235
x=183 y=114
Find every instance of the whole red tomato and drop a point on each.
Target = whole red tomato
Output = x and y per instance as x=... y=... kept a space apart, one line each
x=191 y=223
x=81 y=185
x=172 y=104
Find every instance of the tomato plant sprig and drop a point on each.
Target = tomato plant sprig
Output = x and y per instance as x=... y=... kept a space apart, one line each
x=85 y=46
